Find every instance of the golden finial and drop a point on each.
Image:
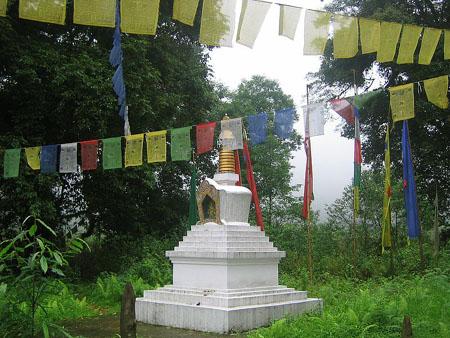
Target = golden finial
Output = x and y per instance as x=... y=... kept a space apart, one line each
x=226 y=157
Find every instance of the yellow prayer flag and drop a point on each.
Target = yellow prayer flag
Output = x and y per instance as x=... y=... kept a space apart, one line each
x=430 y=40
x=185 y=11
x=389 y=34
x=156 y=146
x=33 y=157
x=315 y=32
x=95 y=12
x=133 y=150
x=3 y=7
x=139 y=16
x=447 y=45
x=369 y=35
x=53 y=11
x=436 y=90
x=402 y=102
x=386 y=238
x=217 y=23
x=345 y=41
x=408 y=43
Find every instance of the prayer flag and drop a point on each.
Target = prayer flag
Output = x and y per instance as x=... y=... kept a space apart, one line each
x=386 y=240
x=49 y=159
x=3 y=7
x=231 y=134
x=205 y=137
x=357 y=163
x=316 y=32
x=284 y=122
x=68 y=158
x=52 y=11
x=447 y=45
x=289 y=18
x=369 y=35
x=112 y=153
x=408 y=43
x=156 y=146
x=33 y=157
x=346 y=34
x=343 y=108
x=257 y=128
x=94 y=12
x=11 y=163
x=89 y=151
x=252 y=17
x=430 y=40
x=313 y=119
x=185 y=11
x=409 y=186
x=308 y=186
x=389 y=34
x=139 y=16
x=436 y=90
x=133 y=150
x=217 y=23
x=402 y=102
x=180 y=144
x=193 y=211
x=237 y=167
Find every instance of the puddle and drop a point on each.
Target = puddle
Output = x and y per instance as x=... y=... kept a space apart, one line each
x=108 y=326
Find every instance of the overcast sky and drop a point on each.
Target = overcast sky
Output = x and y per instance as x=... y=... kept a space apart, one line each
x=281 y=59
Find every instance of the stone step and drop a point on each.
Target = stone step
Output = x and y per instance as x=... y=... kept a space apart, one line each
x=225 y=227
x=216 y=237
x=228 y=255
x=228 y=292
x=225 y=244
x=225 y=249
x=229 y=233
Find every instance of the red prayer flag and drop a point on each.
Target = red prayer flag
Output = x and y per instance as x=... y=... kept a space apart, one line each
x=89 y=151
x=343 y=108
x=205 y=137
x=308 y=188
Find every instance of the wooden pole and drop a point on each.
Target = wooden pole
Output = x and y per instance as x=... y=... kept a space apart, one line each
x=309 y=226
x=436 y=225
x=354 y=197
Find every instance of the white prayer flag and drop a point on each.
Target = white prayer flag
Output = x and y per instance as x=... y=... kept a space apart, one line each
x=218 y=22
x=317 y=25
x=68 y=158
x=314 y=119
x=231 y=134
x=289 y=18
x=252 y=17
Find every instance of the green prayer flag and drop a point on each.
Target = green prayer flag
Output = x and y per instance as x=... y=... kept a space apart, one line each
x=180 y=145
x=11 y=163
x=112 y=153
x=193 y=211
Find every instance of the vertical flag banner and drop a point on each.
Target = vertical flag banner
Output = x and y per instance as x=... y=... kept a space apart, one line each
x=133 y=150
x=68 y=158
x=408 y=43
x=112 y=153
x=447 y=45
x=289 y=18
x=386 y=240
x=49 y=159
x=316 y=32
x=346 y=35
x=231 y=134
x=436 y=90
x=284 y=122
x=33 y=157
x=193 y=211
x=369 y=35
x=402 y=102
x=314 y=119
x=252 y=17
x=185 y=11
x=257 y=128
x=139 y=16
x=204 y=134
x=343 y=108
x=156 y=146
x=89 y=154
x=409 y=186
x=94 y=12
x=237 y=167
x=308 y=186
x=11 y=163
x=180 y=144
x=356 y=163
x=430 y=40
x=389 y=34
x=52 y=11
x=3 y=7
x=217 y=23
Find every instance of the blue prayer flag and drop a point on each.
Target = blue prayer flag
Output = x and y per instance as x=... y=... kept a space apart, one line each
x=257 y=126
x=409 y=186
x=49 y=159
x=284 y=122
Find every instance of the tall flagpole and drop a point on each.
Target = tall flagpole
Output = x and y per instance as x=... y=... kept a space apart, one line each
x=354 y=192
x=309 y=226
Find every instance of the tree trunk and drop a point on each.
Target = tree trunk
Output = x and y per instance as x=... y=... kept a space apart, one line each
x=407 y=327
x=127 y=313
